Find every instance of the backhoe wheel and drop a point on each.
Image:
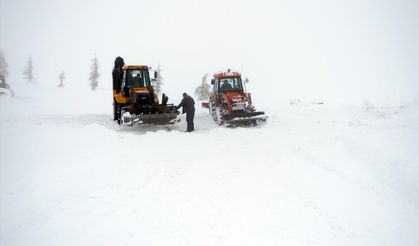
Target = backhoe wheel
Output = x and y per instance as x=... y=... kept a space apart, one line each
x=117 y=112
x=115 y=116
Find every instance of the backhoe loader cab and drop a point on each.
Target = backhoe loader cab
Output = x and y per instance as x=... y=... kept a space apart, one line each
x=136 y=77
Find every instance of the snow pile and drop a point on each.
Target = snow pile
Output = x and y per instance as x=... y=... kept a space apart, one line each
x=312 y=175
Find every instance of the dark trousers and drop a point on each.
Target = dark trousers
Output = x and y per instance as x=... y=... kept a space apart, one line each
x=189 y=121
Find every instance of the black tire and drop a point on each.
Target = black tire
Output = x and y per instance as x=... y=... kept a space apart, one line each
x=210 y=109
x=114 y=107
x=117 y=112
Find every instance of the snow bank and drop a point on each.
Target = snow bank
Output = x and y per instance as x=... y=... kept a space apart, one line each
x=312 y=175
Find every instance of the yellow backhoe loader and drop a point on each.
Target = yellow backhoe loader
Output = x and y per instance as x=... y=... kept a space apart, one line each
x=134 y=99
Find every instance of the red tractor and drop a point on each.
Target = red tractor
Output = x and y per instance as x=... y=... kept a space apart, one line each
x=230 y=103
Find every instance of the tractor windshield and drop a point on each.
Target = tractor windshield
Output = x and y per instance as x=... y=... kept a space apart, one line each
x=137 y=78
x=231 y=84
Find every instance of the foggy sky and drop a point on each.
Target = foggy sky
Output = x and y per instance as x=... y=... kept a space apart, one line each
x=325 y=50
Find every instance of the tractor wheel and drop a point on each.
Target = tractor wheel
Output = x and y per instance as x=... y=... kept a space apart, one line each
x=211 y=110
x=218 y=116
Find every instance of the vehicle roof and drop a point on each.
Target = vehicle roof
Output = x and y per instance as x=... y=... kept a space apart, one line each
x=129 y=67
x=227 y=74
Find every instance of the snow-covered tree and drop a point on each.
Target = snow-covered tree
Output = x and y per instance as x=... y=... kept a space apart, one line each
x=94 y=74
x=28 y=72
x=159 y=80
x=61 y=77
x=3 y=65
x=203 y=91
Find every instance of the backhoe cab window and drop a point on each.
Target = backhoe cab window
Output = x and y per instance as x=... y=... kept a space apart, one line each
x=137 y=78
x=231 y=84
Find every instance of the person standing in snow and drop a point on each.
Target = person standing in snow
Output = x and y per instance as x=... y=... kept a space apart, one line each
x=188 y=107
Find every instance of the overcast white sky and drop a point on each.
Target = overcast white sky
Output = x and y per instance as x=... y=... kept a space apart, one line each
x=326 y=50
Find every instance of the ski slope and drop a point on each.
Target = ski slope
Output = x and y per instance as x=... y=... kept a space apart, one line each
x=312 y=175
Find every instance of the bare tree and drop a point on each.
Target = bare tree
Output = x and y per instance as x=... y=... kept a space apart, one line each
x=203 y=91
x=3 y=65
x=28 y=72
x=61 y=77
x=94 y=74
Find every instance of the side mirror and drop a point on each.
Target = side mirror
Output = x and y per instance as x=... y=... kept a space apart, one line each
x=155 y=74
x=246 y=80
x=212 y=81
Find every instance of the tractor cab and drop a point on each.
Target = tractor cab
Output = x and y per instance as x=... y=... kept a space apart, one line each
x=227 y=83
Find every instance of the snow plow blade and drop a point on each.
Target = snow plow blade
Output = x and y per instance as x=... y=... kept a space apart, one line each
x=152 y=119
x=244 y=118
x=153 y=115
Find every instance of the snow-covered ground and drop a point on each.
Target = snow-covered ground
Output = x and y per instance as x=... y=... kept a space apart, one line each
x=314 y=174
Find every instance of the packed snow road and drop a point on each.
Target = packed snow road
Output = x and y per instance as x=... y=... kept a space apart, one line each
x=312 y=175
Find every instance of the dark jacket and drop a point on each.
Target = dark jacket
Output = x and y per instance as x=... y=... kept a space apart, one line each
x=188 y=105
